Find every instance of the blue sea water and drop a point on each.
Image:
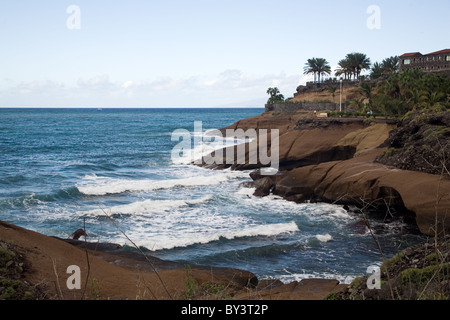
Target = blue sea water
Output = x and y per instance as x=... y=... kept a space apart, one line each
x=61 y=169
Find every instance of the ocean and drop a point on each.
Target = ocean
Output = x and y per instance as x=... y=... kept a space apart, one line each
x=63 y=169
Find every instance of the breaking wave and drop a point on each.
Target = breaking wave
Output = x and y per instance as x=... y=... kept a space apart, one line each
x=146 y=207
x=188 y=239
x=98 y=186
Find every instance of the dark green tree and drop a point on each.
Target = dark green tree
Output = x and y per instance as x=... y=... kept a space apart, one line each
x=390 y=65
x=275 y=96
x=412 y=90
x=376 y=71
x=317 y=66
x=366 y=89
x=358 y=62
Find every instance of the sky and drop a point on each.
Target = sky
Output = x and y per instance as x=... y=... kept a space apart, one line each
x=194 y=53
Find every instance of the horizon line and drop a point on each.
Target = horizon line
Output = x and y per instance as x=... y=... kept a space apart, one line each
x=59 y=107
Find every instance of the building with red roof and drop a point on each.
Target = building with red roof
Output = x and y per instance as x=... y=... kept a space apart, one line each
x=436 y=62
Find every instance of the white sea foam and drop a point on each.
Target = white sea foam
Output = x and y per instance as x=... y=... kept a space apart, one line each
x=146 y=207
x=263 y=230
x=346 y=279
x=98 y=186
x=317 y=210
x=324 y=237
x=248 y=192
x=184 y=238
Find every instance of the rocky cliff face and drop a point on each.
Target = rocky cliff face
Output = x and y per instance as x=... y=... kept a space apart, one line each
x=334 y=160
x=322 y=93
x=420 y=143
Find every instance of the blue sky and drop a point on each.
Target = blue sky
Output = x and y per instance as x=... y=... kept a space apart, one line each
x=194 y=53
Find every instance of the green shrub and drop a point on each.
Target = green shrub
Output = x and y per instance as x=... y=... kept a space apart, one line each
x=422 y=276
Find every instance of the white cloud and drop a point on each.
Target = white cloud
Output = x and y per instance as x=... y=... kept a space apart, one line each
x=226 y=88
x=127 y=84
x=101 y=82
x=40 y=87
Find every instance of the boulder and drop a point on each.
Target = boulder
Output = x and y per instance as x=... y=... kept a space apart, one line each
x=264 y=187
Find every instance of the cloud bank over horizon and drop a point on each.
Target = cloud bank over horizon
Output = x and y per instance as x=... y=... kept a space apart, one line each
x=227 y=89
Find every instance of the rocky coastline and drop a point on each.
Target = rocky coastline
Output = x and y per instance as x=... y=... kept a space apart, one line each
x=34 y=266
x=347 y=161
x=337 y=160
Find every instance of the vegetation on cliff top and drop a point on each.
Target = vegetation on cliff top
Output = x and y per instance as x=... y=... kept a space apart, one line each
x=396 y=95
x=391 y=93
x=385 y=91
x=275 y=96
x=421 y=100
x=410 y=90
x=421 y=272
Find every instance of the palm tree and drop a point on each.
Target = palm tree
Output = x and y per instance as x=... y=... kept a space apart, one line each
x=387 y=67
x=273 y=92
x=358 y=104
x=358 y=62
x=275 y=96
x=390 y=65
x=332 y=90
x=415 y=97
x=323 y=67
x=434 y=98
x=366 y=89
x=344 y=69
x=317 y=66
x=310 y=68
x=391 y=88
x=376 y=71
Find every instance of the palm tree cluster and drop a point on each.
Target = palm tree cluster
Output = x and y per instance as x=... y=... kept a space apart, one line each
x=353 y=65
x=412 y=90
x=387 y=67
x=275 y=96
x=317 y=66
